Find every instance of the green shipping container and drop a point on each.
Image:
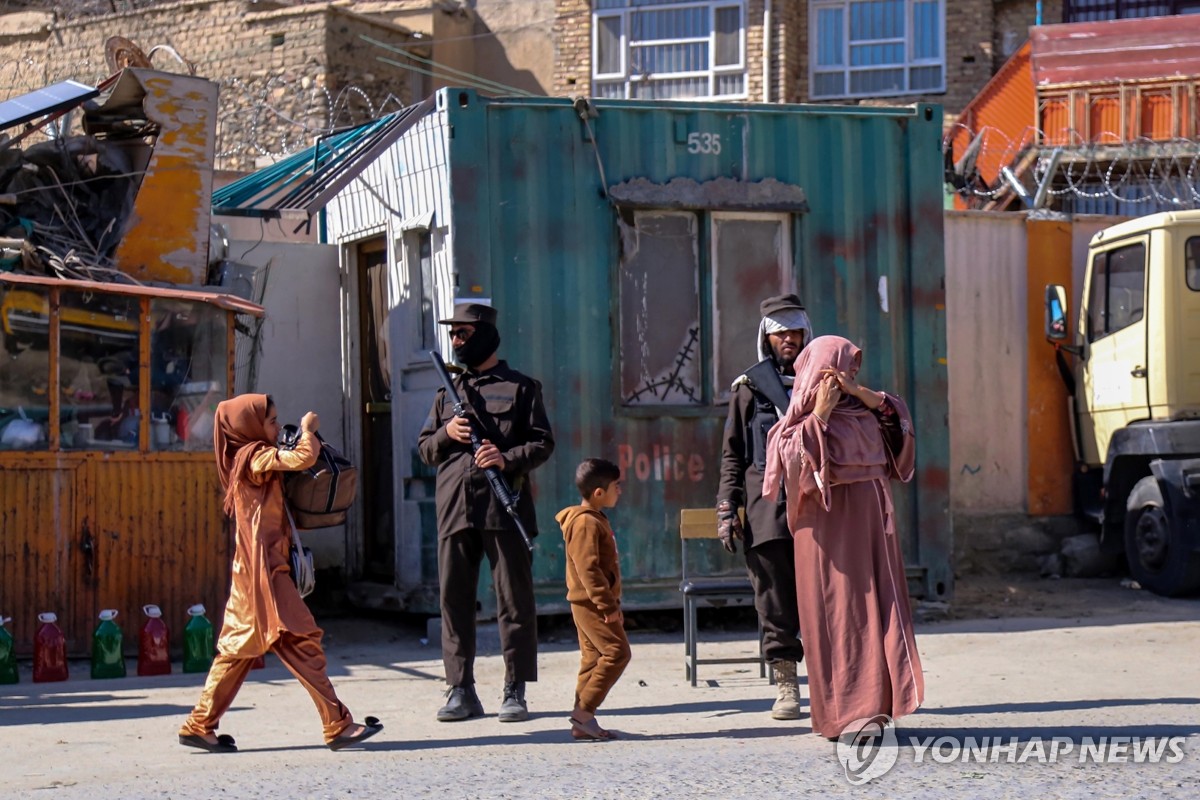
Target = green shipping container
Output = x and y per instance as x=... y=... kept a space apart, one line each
x=627 y=245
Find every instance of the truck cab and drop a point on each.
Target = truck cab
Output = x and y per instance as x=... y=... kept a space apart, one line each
x=1132 y=364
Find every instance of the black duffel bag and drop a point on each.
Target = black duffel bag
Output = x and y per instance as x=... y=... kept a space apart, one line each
x=319 y=496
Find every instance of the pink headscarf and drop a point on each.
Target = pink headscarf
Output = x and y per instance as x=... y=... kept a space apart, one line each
x=811 y=459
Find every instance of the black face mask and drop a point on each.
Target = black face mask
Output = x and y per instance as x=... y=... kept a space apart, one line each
x=476 y=350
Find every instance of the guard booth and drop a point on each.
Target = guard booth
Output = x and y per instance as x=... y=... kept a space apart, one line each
x=108 y=491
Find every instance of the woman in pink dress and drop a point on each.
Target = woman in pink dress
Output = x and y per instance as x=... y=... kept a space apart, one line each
x=835 y=453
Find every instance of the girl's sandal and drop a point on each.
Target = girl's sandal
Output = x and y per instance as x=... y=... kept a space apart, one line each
x=371 y=726
x=590 y=731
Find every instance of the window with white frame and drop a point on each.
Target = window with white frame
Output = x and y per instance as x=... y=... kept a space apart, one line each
x=876 y=48
x=669 y=49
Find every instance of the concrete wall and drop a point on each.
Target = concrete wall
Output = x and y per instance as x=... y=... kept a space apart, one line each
x=300 y=364
x=511 y=44
x=1010 y=448
x=985 y=324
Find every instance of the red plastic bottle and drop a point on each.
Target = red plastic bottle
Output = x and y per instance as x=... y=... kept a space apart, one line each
x=49 y=650
x=153 y=655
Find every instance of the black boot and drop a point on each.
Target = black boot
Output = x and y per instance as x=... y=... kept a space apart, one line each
x=463 y=703
x=514 y=709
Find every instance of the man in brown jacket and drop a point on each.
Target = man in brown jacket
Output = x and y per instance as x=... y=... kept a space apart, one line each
x=759 y=397
x=506 y=410
x=594 y=591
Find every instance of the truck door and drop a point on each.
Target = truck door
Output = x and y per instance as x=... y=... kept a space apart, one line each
x=1115 y=358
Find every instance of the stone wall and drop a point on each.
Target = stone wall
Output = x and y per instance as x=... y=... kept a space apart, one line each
x=282 y=72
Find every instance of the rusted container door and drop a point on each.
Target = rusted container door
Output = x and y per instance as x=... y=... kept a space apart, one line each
x=43 y=550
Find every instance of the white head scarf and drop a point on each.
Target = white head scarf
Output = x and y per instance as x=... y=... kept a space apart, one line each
x=792 y=319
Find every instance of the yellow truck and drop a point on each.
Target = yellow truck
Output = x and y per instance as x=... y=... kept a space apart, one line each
x=1135 y=394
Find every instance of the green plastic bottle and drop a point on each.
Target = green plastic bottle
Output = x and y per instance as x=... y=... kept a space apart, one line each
x=8 y=653
x=197 y=641
x=108 y=661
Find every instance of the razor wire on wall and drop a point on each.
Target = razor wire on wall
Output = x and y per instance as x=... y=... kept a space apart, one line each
x=270 y=115
x=988 y=168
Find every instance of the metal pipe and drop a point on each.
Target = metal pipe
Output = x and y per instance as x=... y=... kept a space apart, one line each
x=766 y=55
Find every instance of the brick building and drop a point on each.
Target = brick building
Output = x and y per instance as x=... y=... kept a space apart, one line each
x=288 y=71
x=799 y=51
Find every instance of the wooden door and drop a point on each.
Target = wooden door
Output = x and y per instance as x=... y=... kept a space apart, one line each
x=46 y=551
x=375 y=382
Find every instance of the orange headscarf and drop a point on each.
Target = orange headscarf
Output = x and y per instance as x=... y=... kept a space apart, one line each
x=239 y=433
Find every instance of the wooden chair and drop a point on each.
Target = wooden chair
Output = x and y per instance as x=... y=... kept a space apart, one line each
x=695 y=524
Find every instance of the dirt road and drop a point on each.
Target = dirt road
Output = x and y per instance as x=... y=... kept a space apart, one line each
x=1120 y=664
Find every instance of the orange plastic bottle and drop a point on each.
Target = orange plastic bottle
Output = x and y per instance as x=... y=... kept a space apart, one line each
x=49 y=650
x=153 y=655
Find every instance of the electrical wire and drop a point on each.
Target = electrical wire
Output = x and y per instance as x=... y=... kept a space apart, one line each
x=478 y=79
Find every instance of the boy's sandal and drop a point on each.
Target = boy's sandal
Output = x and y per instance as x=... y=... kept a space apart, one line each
x=371 y=726
x=590 y=730
x=223 y=744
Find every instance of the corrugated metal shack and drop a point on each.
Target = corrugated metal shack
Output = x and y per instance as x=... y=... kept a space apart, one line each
x=111 y=367
x=626 y=245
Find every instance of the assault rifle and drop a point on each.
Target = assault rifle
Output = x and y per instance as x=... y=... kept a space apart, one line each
x=507 y=497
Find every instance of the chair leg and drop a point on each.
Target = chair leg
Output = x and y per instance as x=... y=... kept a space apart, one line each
x=687 y=637
x=695 y=640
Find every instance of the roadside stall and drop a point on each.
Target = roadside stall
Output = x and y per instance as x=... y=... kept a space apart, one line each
x=108 y=493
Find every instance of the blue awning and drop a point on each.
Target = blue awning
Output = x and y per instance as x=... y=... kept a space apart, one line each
x=303 y=183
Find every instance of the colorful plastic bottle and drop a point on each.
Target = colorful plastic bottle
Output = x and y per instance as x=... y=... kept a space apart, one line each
x=108 y=660
x=154 y=657
x=197 y=641
x=8 y=653
x=49 y=650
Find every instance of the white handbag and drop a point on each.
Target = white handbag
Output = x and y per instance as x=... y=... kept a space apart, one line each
x=303 y=574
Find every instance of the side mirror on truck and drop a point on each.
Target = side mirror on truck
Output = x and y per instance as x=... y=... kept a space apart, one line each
x=1056 y=313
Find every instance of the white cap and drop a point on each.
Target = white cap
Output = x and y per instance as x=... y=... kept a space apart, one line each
x=108 y=614
x=197 y=610
x=152 y=611
x=47 y=616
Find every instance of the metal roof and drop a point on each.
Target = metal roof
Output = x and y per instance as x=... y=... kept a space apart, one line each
x=1150 y=48
x=47 y=100
x=228 y=302
x=301 y=184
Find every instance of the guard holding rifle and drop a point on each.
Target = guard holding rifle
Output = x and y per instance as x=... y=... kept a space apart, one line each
x=505 y=410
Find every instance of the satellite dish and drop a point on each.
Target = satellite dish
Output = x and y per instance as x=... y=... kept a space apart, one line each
x=120 y=53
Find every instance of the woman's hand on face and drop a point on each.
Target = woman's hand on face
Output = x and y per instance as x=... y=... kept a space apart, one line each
x=310 y=422
x=828 y=394
x=844 y=381
x=853 y=388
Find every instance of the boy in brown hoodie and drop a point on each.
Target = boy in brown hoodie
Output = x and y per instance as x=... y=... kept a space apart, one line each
x=594 y=591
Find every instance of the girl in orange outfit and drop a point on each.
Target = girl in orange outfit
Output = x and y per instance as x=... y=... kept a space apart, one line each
x=265 y=611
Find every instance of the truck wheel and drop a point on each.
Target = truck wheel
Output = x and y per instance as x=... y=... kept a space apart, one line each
x=1159 y=557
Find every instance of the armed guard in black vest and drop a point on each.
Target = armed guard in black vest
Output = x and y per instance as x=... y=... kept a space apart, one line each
x=760 y=397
